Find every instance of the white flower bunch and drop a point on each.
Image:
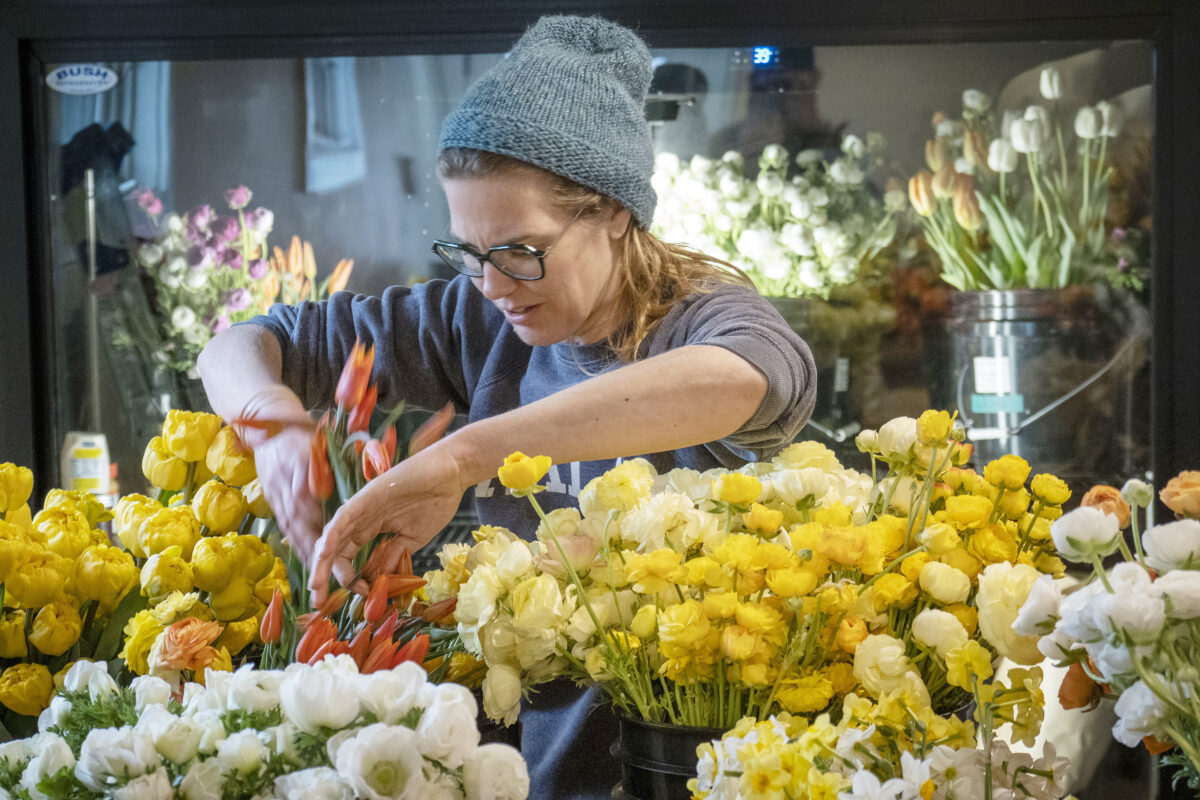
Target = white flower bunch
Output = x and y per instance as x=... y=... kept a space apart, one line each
x=802 y=226
x=321 y=731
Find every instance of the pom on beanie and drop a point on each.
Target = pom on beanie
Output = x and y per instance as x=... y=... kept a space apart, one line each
x=569 y=98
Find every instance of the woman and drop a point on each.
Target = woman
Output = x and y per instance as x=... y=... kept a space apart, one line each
x=572 y=332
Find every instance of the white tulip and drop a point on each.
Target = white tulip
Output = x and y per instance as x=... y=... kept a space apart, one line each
x=1181 y=589
x=1050 y=83
x=1113 y=118
x=1040 y=612
x=1085 y=532
x=1027 y=136
x=1088 y=123
x=1173 y=545
x=1002 y=156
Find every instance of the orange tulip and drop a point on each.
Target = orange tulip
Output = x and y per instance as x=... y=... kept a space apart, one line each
x=334 y=602
x=385 y=630
x=441 y=610
x=320 y=473
x=943 y=181
x=920 y=193
x=341 y=275
x=375 y=460
x=355 y=375
x=310 y=263
x=431 y=429
x=403 y=584
x=381 y=655
x=384 y=559
x=416 y=650
x=359 y=645
x=966 y=203
x=272 y=622
x=389 y=443
x=360 y=415
x=376 y=605
x=935 y=154
x=320 y=633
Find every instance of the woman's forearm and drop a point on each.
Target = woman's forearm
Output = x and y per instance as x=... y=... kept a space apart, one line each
x=682 y=398
x=237 y=365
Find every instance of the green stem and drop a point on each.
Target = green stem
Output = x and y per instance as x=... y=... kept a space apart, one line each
x=1099 y=568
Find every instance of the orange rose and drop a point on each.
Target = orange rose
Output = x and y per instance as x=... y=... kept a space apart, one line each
x=1182 y=494
x=1108 y=499
x=187 y=644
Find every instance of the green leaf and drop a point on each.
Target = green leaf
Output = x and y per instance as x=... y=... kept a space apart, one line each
x=109 y=642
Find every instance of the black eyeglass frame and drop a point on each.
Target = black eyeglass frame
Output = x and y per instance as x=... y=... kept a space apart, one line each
x=540 y=255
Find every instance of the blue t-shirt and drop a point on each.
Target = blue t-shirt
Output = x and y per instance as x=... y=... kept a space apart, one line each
x=442 y=341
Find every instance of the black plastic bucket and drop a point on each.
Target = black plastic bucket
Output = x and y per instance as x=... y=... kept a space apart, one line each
x=658 y=760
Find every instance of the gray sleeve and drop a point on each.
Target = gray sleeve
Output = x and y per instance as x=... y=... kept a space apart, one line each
x=421 y=356
x=745 y=323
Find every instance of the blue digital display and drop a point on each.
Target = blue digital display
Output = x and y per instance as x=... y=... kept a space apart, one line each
x=765 y=56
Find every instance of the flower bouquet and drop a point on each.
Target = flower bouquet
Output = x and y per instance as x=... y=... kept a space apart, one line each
x=61 y=584
x=1131 y=632
x=699 y=599
x=1021 y=204
x=210 y=271
x=308 y=731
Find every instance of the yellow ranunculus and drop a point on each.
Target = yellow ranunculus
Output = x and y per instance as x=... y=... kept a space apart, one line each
x=993 y=544
x=14 y=548
x=681 y=628
x=26 y=688
x=1009 y=471
x=651 y=573
x=238 y=635
x=719 y=605
x=222 y=662
x=1050 y=489
x=911 y=567
x=219 y=507
x=188 y=434
x=105 y=574
x=64 y=529
x=140 y=632
x=844 y=545
x=180 y=605
x=619 y=489
x=841 y=675
x=228 y=460
x=521 y=473
x=644 y=623
x=761 y=619
x=164 y=573
x=933 y=427
x=234 y=602
x=805 y=694
x=176 y=526
x=277 y=578
x=40 y=579
x=55 y=628
x=967 y=660
x=12 y=634
x=131 y=511
x=851 y=631
x=966 y=614
x=737 y=643
x=162 y=467
x=791 y=581
x=944 y=583
x=1050 y=564
x=255 y=559
x=16 y=484
x=962 y=561
x=968 y=511
x=762 y=519
x=893 y=590
x=84 y=501
x=256 y=501
x=1014 y=503
x=940 y=537
x=214 y=563
x=737 y=488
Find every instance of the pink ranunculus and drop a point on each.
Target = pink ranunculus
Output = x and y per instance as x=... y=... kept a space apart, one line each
x=258 y=268
x=238 y=197
x=220 y=323
x=229 y=229
x=202 y=217
x=232 y=259
x=237 y=299
x=260 y=220
x=149 y=203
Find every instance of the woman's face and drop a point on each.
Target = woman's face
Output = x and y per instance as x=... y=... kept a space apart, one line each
x=576 y=300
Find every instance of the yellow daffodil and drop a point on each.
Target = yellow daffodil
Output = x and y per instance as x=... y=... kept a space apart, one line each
x=26 y=688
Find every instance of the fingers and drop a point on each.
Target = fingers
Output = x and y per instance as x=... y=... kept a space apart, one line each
x=351 y=526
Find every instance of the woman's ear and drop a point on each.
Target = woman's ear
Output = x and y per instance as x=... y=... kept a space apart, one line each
x=619 y=222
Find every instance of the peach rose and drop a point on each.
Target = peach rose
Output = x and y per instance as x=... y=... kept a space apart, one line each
x=187 y=644
x=1108 y=499
x=1182 y=494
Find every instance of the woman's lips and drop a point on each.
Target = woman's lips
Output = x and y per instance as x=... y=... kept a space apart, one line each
x=519 y=315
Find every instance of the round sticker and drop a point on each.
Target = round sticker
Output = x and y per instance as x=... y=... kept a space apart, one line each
x=81 y=79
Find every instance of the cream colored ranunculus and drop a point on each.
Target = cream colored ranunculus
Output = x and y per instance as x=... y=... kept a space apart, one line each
x=1003 y=589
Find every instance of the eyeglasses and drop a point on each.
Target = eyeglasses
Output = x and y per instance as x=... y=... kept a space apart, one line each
x=518 y=261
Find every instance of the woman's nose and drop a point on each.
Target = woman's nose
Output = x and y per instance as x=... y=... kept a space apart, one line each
x=494 y=284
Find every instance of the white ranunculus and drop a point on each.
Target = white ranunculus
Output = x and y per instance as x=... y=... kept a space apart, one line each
x=318 y=698
x=938 y=629
x=149 y=255
x=1140 y=713
x=818 y=197
x=949 y=129
x=317 y=783
x=666 y=517
x=1040 y=612
x=1137 y=493
x=54 y=715
x=197 y=334
x=666 y=162
x=495 y=772
x=111 y=755
x=770 y=184
x=976 y=101
x=1128 y=577
x=202 y=781
x=150 y=691
x=810 y=274
x=1112 y=660
x=152 y=786
x=253 y=689
x=945 y=583
x=1181 y=589
x=843 y=269
x=1085 y=532
x=897 y=437
x=196 y=279
x=513 y=563
x=390 y=694
x=477 y=597
x=791 y=486
x=1057 y=646
x=1088 y=123
x=183 y=317
x=853 y=146
x=1003 y=589
x=1050 y=83
x=1137 y=614
x=448 y=728
x=502 y=693
x=91 y=677
x=383 y=762
x=241 y=753
x=1173 y=545
x=171 y=280
x=1078 y=614
x=881 y=666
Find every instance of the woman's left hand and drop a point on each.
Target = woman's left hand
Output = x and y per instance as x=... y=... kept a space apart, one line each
x=414 y=500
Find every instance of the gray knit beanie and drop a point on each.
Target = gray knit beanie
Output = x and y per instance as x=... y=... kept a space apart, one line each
x=568 y=98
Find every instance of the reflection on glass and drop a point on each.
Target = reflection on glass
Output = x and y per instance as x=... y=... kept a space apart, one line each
x=813 y=202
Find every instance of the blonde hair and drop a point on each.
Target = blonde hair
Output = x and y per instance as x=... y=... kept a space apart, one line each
x=654 y=275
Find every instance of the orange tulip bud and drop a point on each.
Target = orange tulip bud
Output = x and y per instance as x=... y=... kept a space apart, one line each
x=384 y=559
x=321 y=633
x=310 y=262
x=389 y=443
x=295 y=257
x=320 y=473
x=387 y=628
x=334 y=602
x=935 y=154
x=920 y=193
x=440 y=611
x=966 y=203
x=376 y=605
x=403 y=584
x=415 y=651
x=341 y=275
x=943 y=182
x=375 y=460
x=272 y=622
x=327 y=648
x=360 y=415
x=355 y=375
x=381 y=655
x=431 y=429
x=404 y=563
x=360 y=645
